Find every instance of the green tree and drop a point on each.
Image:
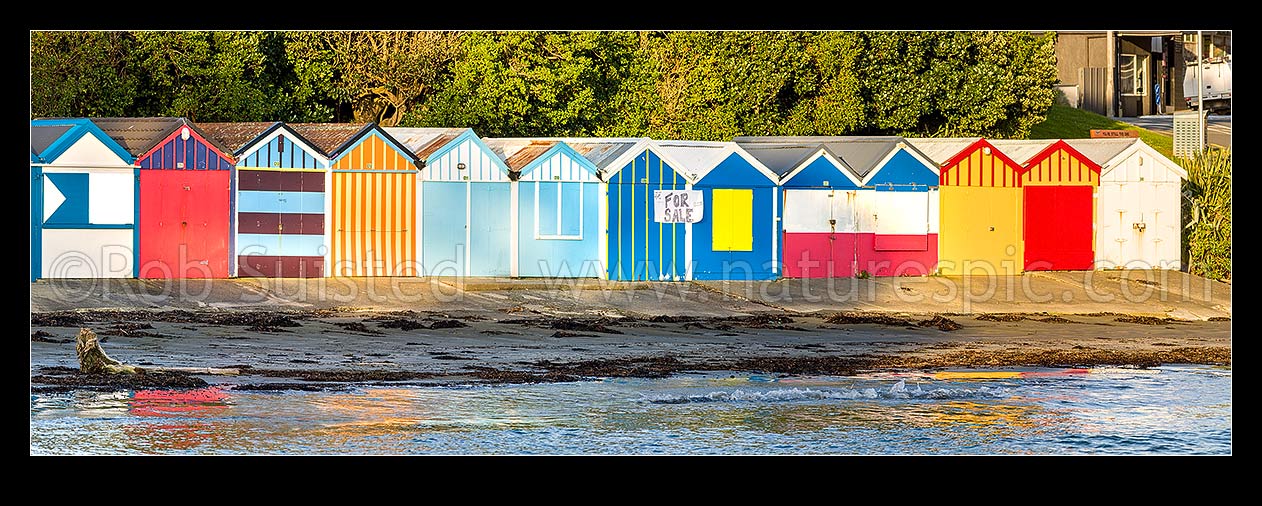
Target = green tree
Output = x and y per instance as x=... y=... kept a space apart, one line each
x=534 y=83
x=83 y=74
x=385 y=75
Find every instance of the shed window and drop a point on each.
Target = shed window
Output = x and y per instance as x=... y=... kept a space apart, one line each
x=1131 y=72
x=558 y=210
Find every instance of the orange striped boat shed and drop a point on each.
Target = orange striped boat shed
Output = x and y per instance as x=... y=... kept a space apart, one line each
x=372 y=200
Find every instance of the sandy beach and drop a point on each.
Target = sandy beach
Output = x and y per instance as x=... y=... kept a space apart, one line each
x=305 y=334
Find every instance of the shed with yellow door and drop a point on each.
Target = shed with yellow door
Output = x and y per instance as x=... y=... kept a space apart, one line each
x=372 y=200
x=980 y=213
x=738 y=234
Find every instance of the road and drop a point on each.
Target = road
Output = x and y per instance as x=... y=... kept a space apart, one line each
x=1218 y=130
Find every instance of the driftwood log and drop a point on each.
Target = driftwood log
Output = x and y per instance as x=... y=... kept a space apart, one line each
x=93 y=360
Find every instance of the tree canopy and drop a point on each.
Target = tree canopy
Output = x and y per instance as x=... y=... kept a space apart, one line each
x=689 y=85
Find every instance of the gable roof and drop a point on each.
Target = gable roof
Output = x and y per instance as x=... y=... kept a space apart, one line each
x=238 y=136
x=331 y=138
x=702 y=157
x=608 y=154
x=43 y=136
x=1061 y=145
x=862 y=154
x=604 y=151
x=1021 y=150
x=1101 y=151
x=940 y=150
x=518 y=153
x=424 y=141
x=781 y=157
x=1097 y=151
x=139 y=135
x=52 y=137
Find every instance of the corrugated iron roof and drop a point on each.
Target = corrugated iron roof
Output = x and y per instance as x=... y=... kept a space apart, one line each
x=941 y=149
x=1101 y=151
x=601 y=151
x=138 y=135
x=861 y=154
x=43 y=136
x=697 y=157
x=328 y=137
x=1021 y=150
x=424 y=141
x=236 y=136
x=518 y=153
x=780 y=157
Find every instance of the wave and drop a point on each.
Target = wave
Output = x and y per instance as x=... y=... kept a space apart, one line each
x=896 y=391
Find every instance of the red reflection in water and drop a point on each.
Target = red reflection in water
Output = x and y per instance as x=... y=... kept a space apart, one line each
x=163 y=403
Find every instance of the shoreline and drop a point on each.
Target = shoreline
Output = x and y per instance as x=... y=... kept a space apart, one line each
x=321 y=349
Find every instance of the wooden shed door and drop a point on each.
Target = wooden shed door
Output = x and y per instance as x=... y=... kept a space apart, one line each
x=1058 y=232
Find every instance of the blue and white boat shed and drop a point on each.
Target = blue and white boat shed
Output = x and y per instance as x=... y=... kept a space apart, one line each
x=84 y=190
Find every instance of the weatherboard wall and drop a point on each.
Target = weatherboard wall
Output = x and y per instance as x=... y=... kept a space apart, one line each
x=820 y=218
x=281 y=218
x=898 y=234
x=980 y=215
x=737 y=235
x=1059 y=191
x=559 y=216
x=641 y=249
x=1138 y=211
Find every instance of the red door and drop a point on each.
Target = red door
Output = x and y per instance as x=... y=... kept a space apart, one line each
x=1058 y=232
x=184 y=223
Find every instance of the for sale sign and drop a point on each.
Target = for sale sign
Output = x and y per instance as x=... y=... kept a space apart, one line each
x=677 y=206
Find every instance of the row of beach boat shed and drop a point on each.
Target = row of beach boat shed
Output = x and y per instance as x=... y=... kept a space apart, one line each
x=170 y=198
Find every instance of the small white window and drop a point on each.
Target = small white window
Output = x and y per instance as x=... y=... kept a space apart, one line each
x=559 y=210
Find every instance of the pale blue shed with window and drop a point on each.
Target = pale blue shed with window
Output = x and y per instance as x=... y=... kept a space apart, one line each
x=558 y=217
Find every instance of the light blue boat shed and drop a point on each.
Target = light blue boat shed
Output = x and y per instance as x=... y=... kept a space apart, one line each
x=558 y=218
x=84 y=207
x=738 y=234
x=465 y=203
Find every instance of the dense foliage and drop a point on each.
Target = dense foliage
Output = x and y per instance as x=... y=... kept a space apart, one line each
x=1207 y=214
x=696 y=85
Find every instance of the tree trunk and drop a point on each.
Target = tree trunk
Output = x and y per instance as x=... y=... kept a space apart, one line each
x=93 y=360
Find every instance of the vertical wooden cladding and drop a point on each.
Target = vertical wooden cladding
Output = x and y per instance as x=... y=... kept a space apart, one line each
x=981 y=165
x=1061 y=166
x=980 y=229
x=641 y=249
x=373 y=220
x=280 y=152
x=374 y=153
x=185 y=208
x=1059 y=200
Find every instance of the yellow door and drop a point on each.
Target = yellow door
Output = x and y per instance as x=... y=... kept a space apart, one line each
x=733 y=220
x=980 y=231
